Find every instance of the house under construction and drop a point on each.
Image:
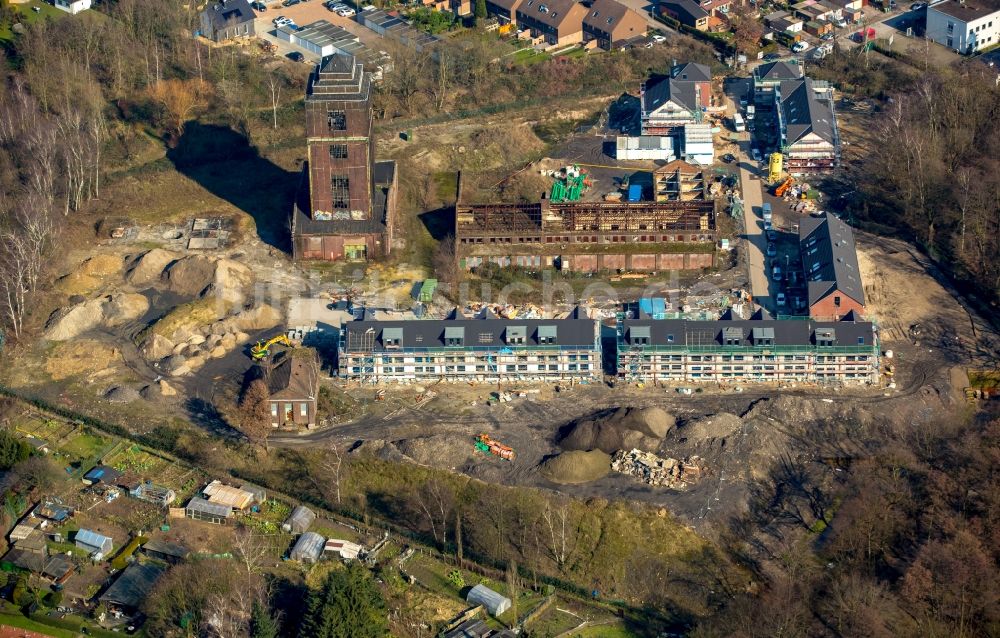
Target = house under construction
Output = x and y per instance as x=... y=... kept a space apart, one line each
x=675 y=232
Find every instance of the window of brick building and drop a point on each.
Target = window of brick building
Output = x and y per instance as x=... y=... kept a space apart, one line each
x=337 y=120
x=338 y=151
x=340 y=188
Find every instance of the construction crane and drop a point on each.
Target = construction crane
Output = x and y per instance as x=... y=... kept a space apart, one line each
x=261 y=350
x=487 y=445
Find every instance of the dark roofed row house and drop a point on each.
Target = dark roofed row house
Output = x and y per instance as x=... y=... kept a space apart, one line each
x=756 y=350
x=675 y=100
x=830 y=262
x=485 y=348
x=807 y=125
x=566 y=22
x=227 y=19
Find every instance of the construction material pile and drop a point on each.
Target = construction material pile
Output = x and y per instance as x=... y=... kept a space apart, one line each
x=653 y=470
x=576 y=467
x=622 y=428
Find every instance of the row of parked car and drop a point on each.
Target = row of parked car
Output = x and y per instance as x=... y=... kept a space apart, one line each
x=339 y=8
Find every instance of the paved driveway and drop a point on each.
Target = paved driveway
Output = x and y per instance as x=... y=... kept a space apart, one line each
x=755 y=242
x=643 y=7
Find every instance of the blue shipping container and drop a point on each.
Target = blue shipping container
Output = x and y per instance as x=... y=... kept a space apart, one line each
x=635 y=192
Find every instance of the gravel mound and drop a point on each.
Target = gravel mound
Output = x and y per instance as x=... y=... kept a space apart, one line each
x=149 y=266
x=576 y=467
x=379 y=449
x=623 y=428
x=717 y=426
x=200 y=275
x=122 y=394
x=437 y=450
x=72 y=321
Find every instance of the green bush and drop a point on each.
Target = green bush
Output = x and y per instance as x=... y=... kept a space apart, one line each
x=53 y=599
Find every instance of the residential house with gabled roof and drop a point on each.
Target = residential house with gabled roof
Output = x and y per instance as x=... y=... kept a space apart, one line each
x=770 y=75
x=293 y=384
x=807 y=126
x=966 y=27
x=226 y=19
x=611 y=23
x=669 y=102
x=830 y=262
x=559 y=22
x=504 y=10
x=687 y=12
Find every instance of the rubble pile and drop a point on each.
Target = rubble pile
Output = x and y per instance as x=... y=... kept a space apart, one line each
x=653 y=470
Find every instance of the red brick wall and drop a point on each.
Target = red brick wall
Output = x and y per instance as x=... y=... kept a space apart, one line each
x=358 y=164
x=826 y=307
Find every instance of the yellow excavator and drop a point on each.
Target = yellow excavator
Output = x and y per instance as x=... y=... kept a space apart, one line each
x=261 y=350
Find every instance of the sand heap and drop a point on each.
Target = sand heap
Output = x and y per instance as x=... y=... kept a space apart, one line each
x=623 y=428
x=576 y=466
x=107 y=312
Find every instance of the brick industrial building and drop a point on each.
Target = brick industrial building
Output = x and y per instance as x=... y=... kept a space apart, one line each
x=673 y=234
x=346 y=206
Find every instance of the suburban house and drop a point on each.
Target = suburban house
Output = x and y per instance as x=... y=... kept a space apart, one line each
x=808 y=127
x=770 y=75
x=93 y=543
x=963 y=26
x=754 y=350
x=670 y=102
x=504 y=10
x=132 y=587
x=830 y=262
x=293 y=384
x=716 y=8
x=485 y=348
x=610 y=23
x=559 y=22
x=687 y=12
x=227 y=19
x=72 y=6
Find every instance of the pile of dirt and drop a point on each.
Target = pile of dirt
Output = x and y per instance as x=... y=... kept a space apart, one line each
x=191 y=334
x=200 y=276
x=110 y=311
x=576 y=466
x=81 y=356
x=717 y=426
x=149 y=266
x=159 y=390
x=90 y=274
x=436 y=450
x=379 y=449
x=627 y=428
x=121 y=394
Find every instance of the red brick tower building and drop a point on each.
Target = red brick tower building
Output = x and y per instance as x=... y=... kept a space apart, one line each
x=344 y=213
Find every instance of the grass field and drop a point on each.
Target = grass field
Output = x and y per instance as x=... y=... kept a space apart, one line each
x=19 y=621
x=87 y=446
x=29 y=15
x=530 y=56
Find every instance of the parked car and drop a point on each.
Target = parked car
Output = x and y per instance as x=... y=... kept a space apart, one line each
x=840 y=22
x=295 y=56
x=780 y=299
x=799 y=47
x=826 y=37
x=776 y=272
x=772 y=250
x=728 y=158
x=258 y=6
x=659 y=39
x=346 y=12
x=771 y=233
x=756 y=154
x=289 y=3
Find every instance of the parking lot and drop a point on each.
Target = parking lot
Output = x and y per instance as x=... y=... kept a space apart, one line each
x=305 y=13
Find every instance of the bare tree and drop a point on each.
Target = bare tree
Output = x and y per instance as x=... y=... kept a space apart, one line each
x=435 y=499
x=275 y=85
x=255 y=413
x=329 y=473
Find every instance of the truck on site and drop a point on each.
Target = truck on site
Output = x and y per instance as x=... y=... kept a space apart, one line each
x=488 y=445
x=765 y=213
x=738 y=125
x=750 y=111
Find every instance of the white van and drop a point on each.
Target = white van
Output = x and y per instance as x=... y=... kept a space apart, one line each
x=738 y=125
